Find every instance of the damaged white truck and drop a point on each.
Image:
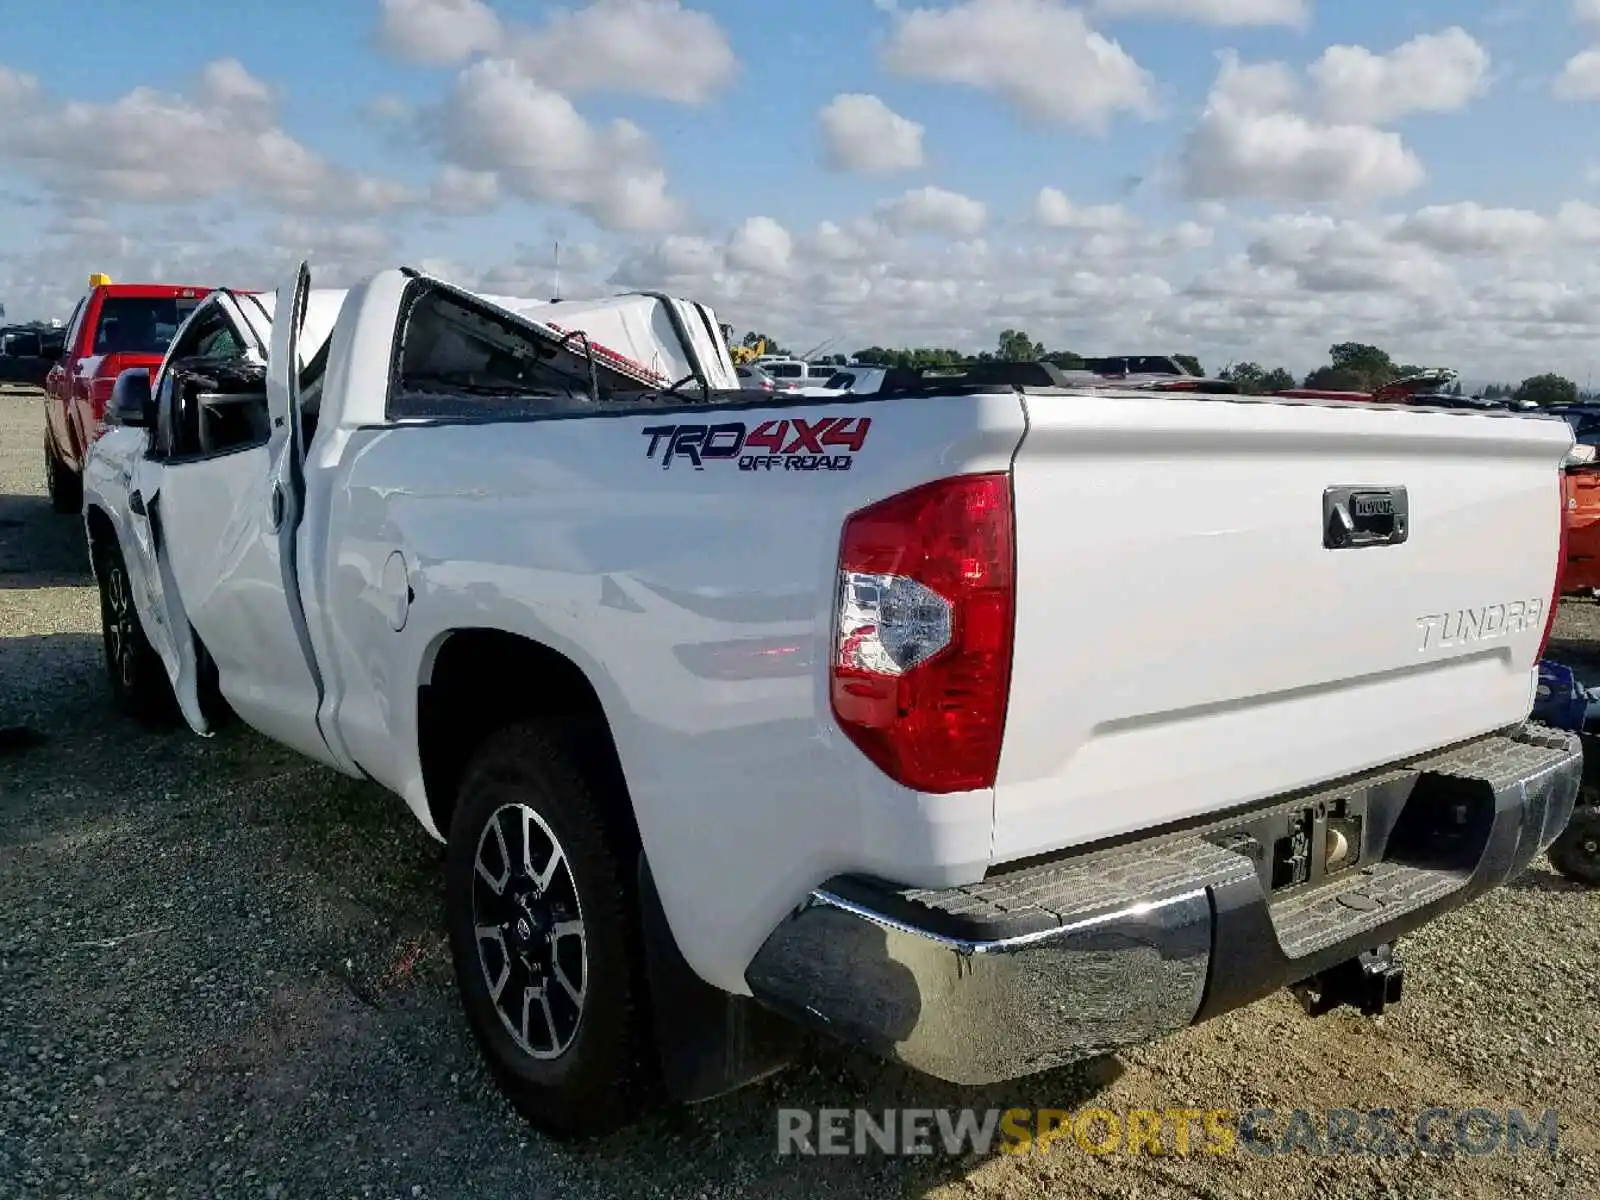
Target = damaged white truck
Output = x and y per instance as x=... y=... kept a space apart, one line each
x=985 y=725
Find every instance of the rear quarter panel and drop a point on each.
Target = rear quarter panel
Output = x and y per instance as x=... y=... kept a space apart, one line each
x=698 y=602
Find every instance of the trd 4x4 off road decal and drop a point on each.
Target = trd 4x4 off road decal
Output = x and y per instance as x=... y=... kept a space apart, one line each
x=797 y=444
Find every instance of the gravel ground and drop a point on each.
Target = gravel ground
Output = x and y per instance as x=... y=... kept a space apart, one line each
x=221 y=974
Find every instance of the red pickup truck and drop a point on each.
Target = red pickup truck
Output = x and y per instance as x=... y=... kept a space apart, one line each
x=114 y=327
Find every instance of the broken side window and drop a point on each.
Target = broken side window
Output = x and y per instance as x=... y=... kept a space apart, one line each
x=459 y=359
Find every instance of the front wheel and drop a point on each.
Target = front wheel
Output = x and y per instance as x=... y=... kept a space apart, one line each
x=1576 y=853
x=138 y=681
x=542 y=910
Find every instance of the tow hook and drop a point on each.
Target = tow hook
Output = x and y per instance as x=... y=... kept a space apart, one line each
x=1370 y=982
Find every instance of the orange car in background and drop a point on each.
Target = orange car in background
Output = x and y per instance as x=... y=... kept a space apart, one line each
x=1582 y=571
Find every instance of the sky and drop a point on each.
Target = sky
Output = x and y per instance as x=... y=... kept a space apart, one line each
x=1236 y=179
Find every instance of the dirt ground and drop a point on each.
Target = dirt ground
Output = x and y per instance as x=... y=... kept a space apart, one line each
x=222 y=973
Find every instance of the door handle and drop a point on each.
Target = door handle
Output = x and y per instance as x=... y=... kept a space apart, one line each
x=275 y=514
x=136 y=503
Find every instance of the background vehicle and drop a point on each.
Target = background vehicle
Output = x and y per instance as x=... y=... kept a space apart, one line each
x=753 y=379
x=733 y=707
x=861 y=380
x=27 y=352
x=1138 y=367
x=115 y=326
x=786 y=373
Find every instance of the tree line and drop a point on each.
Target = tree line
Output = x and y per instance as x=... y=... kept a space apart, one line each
x=1351 y=367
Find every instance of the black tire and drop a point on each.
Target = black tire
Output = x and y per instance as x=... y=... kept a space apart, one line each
x=138 y=681
x=1576 y=853
x=64 y=484
x=574 y=1070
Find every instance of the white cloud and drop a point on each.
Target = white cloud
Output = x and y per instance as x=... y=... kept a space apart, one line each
x=861 y=133
x=1474 y=287
x=761 y=244
x=830 y=242
x=387 y=109
x=1580 y=78
x=933 y=210
x=653 y=47
x=1469 y=228
x=1342 y=256
x=648 y=47
x=1039 y=54
x=1250 y=142
x=499 y=121
x=1579 y=222
x=1586 y=11
x=157 y=147
x=438 y=32
x=17 y=91
x=460 y=192
x=1255 y=87
x=1214 y=12
x=1432 y=73
x=361 y=243
x=226 y=83
x=1053 y=210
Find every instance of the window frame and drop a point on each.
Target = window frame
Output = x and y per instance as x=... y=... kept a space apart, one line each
x=419 y=292
x=106 y=303
x=184 y=349
x=69 y=339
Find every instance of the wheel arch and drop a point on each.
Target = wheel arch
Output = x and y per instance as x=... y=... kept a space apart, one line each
x=100 y=531
x=475 y=681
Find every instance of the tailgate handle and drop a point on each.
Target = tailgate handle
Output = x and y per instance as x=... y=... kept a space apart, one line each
x=1354 y=517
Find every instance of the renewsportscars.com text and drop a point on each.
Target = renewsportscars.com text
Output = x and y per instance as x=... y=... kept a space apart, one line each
x=1262 y=1132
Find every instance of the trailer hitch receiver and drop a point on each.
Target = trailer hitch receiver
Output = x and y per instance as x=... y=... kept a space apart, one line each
x=1369 y=982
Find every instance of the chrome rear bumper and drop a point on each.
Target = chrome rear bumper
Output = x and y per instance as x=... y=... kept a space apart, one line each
x=1065 y=960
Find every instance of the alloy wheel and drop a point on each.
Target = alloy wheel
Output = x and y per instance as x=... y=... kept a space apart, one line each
x=528 y=923
x=120 y=617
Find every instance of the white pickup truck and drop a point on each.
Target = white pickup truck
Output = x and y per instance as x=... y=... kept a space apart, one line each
x=987 y=727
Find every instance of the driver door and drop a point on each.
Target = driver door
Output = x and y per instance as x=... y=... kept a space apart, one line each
x=214 y=331
x=228 y=523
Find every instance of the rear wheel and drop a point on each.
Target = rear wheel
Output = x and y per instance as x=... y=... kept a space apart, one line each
x=138 y=680
x=542 y=911
x=64 y=484
x=1576 y=853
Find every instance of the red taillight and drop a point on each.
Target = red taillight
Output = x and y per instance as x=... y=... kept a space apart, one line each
x=921 y=666
x=1561 y=565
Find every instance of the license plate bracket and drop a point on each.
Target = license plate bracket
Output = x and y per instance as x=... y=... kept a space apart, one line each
x=1301 y=846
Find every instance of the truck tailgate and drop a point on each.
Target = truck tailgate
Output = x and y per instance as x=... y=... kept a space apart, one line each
x=1186 y=638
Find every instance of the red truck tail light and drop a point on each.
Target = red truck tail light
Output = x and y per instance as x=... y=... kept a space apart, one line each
x=921 y=665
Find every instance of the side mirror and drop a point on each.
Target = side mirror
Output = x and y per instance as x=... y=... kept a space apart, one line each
x=131 y=403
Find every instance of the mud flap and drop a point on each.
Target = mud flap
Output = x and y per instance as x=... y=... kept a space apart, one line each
x=709 y=1042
